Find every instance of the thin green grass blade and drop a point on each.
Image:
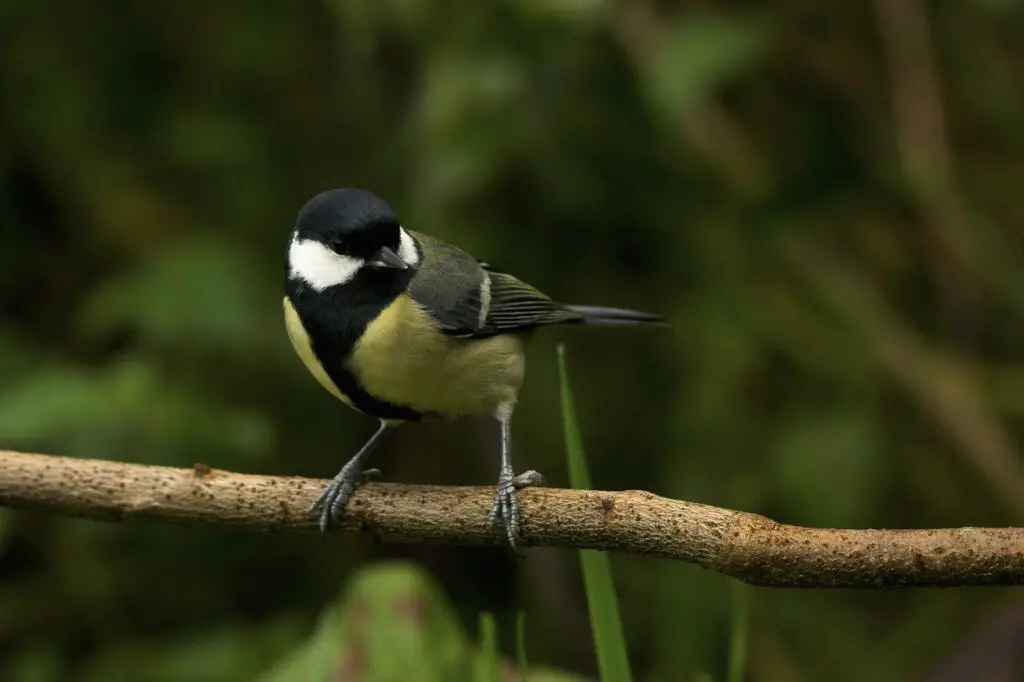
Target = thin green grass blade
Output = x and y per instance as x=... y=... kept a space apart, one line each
x=609 y=641
x=487 y=664
x=524 y=670
x=738 y=632
x=579 y=476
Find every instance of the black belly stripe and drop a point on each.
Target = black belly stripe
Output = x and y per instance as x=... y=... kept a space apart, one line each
x=363 y=401
x=335 y=319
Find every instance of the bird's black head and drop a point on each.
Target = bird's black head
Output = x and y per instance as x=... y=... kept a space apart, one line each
x=342 y=233
x=353 y=222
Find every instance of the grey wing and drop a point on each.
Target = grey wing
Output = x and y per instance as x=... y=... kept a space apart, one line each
x=517 y=306
x=450 y=285
x=469 y=300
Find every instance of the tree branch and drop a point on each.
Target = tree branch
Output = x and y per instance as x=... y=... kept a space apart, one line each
x=746 y=546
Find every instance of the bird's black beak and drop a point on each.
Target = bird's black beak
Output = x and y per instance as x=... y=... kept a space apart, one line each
x=386 y=258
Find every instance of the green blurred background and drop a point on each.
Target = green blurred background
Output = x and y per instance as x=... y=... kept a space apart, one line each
x=825 y=198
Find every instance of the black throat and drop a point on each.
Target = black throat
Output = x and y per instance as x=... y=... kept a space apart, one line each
x=336 y=318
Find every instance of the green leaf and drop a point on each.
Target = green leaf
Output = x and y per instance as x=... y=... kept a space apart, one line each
x=609 y=640
x=200 y=293
x=392 y=624
x=463 y=126
x=127 y=411
x=701 y=53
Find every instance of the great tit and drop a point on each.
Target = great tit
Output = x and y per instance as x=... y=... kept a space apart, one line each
x=403 y=327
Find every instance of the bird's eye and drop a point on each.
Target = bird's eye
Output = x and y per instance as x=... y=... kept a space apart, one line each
x=338 y=245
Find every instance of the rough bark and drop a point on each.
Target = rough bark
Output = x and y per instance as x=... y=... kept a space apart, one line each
x=749 y=547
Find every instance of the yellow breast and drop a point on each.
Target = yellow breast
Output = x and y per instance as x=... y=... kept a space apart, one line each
x=403 y=359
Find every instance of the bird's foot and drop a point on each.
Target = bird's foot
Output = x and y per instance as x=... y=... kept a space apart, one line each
x=506 y=503
x=335 y=496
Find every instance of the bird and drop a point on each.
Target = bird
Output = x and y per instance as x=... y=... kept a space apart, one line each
x=404 y=327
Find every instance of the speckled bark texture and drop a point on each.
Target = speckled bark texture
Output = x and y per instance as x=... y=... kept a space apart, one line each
x=746 y=546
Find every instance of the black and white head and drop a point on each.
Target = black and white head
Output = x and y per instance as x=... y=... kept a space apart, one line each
x=342 y=234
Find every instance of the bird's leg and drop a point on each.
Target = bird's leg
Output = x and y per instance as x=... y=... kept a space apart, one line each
x=333 y=499
x=506 y=504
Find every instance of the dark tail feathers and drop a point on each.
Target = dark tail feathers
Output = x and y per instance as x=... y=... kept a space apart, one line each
x=595 y=314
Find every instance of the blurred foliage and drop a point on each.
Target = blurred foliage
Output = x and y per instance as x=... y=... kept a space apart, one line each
x=392 y=625
x=824 y=197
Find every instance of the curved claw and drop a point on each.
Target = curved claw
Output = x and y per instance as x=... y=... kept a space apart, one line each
x=506 y=502
x=335 y=496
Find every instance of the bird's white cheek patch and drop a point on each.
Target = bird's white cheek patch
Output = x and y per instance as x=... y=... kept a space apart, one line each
x=407 y=250
x=318 y=266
